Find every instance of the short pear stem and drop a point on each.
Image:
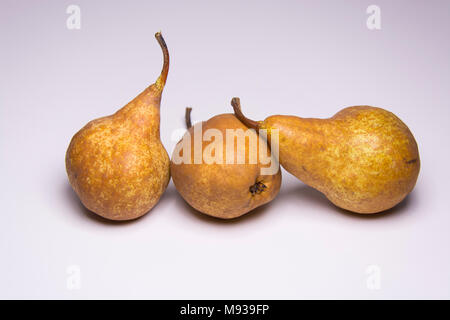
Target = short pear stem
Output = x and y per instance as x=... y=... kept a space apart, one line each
x=165 y=70
x=188 y=117
x=236 y=103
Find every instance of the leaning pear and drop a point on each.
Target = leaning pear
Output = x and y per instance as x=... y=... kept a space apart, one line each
x=364 y=159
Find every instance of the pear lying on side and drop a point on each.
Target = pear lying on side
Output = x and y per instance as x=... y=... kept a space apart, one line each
x=117 y=164
x=219 y=188
x=364 y=159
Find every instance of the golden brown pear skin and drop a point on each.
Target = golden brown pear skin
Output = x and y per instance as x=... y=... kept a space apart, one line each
x=364 y=159
x=224 y=191
x=117 y=164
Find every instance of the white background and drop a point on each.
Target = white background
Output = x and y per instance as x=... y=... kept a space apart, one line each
x=307 y=58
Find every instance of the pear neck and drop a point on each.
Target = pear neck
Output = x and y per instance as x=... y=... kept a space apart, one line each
x=143 y=112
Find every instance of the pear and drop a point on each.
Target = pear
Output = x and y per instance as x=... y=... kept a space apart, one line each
x=364 y=159
x=220 y=188
x=117 y=164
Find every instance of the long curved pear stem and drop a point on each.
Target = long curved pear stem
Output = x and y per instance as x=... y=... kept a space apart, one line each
x=188 y=117
x=236 y=103
x=165 y=70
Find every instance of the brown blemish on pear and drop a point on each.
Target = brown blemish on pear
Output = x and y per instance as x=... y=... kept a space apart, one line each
x=117 y=164
x=224 y=190
x=364 y=159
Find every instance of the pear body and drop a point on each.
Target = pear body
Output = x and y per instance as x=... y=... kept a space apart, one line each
x=364 y=159
x=225 y=190
x=117 y=164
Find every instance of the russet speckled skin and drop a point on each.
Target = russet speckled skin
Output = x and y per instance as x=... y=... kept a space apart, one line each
x=364 y=159
x=223 y=190
x=117 y=164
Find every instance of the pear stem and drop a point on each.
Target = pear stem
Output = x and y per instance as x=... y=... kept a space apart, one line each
x=236 y=103
x=188 y=117
x=165 y=70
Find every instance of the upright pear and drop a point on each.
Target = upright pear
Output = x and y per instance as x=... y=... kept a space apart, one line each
x=117 y=164
x=220 y=185
x=364 y=159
